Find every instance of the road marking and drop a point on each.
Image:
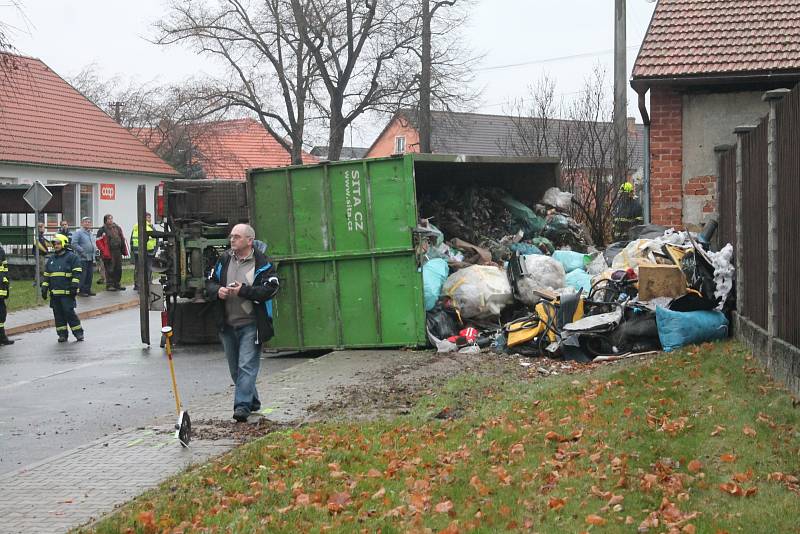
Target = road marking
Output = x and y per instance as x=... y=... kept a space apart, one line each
x=43 y=377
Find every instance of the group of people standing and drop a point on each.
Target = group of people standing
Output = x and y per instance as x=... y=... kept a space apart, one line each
x=66 y=263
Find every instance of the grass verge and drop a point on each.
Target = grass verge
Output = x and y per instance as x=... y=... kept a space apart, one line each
x=696 y=441
x=23 y=292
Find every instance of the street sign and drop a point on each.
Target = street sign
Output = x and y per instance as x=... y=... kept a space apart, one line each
x=37 y=196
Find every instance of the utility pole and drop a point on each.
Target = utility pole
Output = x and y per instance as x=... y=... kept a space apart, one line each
x=620 y=92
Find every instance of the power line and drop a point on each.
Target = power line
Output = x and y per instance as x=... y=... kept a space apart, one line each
x=553 y=59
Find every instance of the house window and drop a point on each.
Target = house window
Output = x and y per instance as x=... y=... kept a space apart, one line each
x=86 y=202
x=400 y=145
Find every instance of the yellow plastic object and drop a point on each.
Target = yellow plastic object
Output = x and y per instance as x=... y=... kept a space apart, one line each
x=532 y=327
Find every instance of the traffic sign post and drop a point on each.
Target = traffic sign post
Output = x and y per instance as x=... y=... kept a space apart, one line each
x=37 y=196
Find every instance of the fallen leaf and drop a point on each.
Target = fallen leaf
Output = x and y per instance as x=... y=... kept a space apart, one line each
x=556 y=504
x=302 y=499
x=694 y=466
x=732 y=489
x=374 y=473
x=717 y=430
x=743 y=477
x=728 y=458
x=338 y=501
x=443 y=507
x=147 y=519
x=749 y=432
x=552 y=436
x=380 y=493
x=595 y=520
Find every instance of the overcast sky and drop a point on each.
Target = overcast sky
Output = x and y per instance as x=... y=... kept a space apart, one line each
x=112 y=34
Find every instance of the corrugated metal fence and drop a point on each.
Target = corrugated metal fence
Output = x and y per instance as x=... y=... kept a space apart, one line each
x=754 y=147
x=788 y=168
x=754 y=224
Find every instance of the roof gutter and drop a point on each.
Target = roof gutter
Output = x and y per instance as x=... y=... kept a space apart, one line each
x=174 y=176
x=643 y=84
x=646 y=150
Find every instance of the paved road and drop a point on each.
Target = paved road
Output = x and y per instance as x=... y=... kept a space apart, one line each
x=58 y=396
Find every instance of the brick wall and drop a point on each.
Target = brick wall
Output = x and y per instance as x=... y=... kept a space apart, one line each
x=666 y=153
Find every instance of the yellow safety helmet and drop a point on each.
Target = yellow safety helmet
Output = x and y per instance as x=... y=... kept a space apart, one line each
x=60 y=238
x=627 y=187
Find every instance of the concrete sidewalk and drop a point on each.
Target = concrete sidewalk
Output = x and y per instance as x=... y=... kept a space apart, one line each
x=89 y=482
x=104 y=302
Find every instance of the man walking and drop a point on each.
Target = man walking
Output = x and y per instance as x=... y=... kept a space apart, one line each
x=4 y=292
x=113 y=248
x=62 y=276
x=242 y=284
x=84 y=247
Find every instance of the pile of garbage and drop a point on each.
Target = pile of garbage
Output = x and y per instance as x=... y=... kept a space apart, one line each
x=499 y=275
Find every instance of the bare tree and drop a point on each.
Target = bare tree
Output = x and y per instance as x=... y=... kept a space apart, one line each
x=271 y=67
x=357 y=47
x=581 y=133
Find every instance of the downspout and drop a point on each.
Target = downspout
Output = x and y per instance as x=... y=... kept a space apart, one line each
x=646 y=151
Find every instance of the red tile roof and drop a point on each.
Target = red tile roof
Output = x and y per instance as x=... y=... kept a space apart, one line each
x=231 y=147
x=720 y=37
x=227 y=149
x=45 y=121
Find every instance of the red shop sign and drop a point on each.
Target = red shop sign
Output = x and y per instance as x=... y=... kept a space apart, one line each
x=108 y=191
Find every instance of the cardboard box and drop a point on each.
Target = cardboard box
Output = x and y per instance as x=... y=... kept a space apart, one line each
x=661 y=281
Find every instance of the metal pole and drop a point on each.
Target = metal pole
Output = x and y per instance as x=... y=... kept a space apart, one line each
x=38 y=276
x=741 y=302
x=620 y=91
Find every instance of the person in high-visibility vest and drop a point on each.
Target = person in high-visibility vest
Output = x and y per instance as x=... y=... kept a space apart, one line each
x=4 y=292
x=62 y=278
x=151 y=249
x=627 y=212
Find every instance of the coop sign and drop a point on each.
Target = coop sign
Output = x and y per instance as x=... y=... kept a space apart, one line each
x=353 y=201
x=108 y=191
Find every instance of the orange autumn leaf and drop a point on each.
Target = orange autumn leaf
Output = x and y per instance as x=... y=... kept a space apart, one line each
x=728 y=458
x=595 y=520
x=443 y=507
x=747 y=431
x=338 y=501
x=627 y=412
x=452 y=528
x=717 y=430
x=518 y=449
x=479 y=486
x=552 y=436
x=420 y=501
x=374 y=473
x=147 y=519
x=694 y=466
x=380 y=493
x=303 y=499
x=732 y=489
x=556 y=504
x=743 y=477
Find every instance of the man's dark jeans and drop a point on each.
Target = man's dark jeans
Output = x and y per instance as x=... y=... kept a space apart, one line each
x=86 y=276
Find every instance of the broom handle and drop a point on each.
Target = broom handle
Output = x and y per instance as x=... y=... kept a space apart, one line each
x=172 y=373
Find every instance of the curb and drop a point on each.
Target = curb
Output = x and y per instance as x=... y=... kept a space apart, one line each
x=88 y=314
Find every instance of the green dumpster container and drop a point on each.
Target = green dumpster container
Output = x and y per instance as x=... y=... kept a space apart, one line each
x=341 y=236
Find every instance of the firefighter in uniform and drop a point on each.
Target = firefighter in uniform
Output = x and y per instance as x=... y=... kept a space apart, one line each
x=627 y=212
x=4 y=291
x=62 y=278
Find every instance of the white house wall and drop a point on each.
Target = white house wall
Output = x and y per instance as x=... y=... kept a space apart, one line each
x=123 y=207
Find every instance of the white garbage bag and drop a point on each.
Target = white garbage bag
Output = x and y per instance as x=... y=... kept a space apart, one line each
x=539 y=273
x=724 y=272
x=561 y=200
x=479 y=291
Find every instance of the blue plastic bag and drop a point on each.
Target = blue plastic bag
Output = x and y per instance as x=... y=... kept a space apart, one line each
x=676 y=329
x=524 y=249
x=434 y=273
x=570 y=260
x=579 y=279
